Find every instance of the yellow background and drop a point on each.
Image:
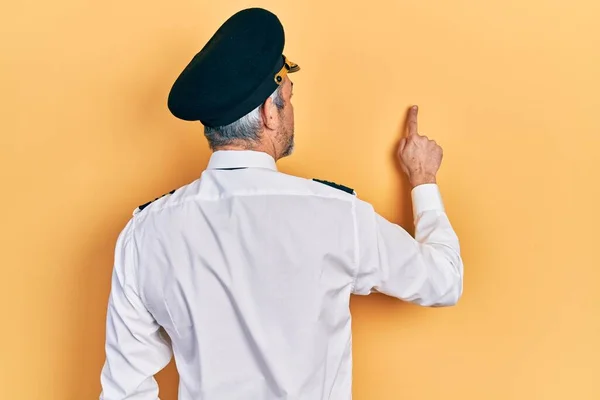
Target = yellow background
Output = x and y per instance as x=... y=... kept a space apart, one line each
x=509 y=88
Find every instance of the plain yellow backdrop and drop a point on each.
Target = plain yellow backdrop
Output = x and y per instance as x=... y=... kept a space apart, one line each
x=509 y=88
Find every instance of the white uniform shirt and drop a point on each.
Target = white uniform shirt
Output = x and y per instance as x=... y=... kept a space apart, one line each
x=250 y=271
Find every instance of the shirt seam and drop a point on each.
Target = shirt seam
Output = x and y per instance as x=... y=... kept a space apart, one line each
x=133 y=244
x=356 y=247
x=138 y=286
x=217 y=198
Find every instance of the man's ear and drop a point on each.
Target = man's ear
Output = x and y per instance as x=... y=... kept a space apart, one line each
x=269 y=114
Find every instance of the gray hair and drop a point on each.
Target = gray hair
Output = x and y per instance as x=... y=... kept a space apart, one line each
x=247 y=128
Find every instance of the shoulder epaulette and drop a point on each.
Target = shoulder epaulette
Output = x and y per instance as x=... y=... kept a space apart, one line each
x=140 y=208
x=337 y=186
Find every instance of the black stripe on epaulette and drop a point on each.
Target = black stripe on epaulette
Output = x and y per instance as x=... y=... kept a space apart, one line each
x=336 y=186
x=140 y=208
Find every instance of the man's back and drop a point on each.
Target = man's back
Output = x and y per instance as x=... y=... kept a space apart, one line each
x=249 y=271
x=250 y=275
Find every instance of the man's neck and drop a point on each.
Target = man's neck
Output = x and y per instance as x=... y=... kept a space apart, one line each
x=257 y=147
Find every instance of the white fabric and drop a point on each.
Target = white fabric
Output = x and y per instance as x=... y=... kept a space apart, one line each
x=250 y=272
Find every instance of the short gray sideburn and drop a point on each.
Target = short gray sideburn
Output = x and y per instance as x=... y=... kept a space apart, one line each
x=245 y=129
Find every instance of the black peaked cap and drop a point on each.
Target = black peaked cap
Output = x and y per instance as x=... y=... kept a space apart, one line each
x=235 y=72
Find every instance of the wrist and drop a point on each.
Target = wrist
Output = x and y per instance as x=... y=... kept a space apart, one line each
x=422 y=179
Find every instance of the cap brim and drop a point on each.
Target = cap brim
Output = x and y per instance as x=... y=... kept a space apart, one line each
x=293 y=67
x=288 y=67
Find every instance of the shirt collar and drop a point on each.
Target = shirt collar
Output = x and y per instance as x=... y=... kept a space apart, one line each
x=241 y=159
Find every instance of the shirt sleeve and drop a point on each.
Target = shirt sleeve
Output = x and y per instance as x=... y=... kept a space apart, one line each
x=425 y=270
x=135 y=347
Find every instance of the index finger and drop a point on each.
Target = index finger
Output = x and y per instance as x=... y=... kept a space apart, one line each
x=411 y=121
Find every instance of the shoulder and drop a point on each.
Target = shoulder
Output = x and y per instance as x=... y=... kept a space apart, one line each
x=343 y=188
x=286 y=183
x=167 y=200
x=362 y=208
x=141 y=207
